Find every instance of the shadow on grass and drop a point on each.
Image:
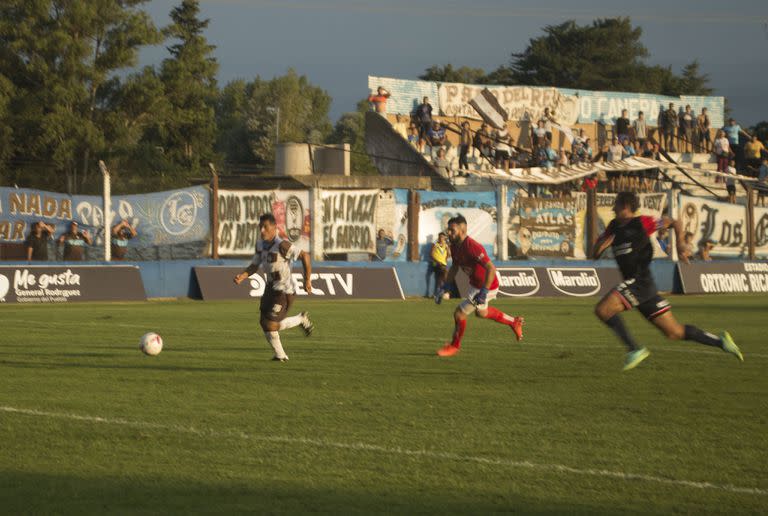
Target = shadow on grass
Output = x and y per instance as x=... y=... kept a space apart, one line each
x=144 y=367
x=34 y=493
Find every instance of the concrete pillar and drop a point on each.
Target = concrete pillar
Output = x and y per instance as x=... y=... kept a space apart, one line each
x=674 y=212
x=502 y=220
x=316 y=213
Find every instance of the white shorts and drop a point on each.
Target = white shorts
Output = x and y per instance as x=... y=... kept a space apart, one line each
x=468 y=306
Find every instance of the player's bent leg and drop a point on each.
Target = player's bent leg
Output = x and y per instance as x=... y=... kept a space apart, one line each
x=460 y=324
x=676 y=331
x=494 y=314
x=608 y=310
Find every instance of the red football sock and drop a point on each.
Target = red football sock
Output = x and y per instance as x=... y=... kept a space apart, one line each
x=458 y=333
x=499 y=316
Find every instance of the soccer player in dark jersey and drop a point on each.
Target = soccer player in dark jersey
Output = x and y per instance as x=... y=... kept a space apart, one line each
x=470 y=256
x=628 y=236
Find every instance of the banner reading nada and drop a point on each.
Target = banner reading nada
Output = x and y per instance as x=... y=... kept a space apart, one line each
x=349 y=221
x=239 y=212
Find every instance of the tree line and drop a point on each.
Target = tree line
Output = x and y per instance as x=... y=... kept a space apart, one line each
x=70 y=94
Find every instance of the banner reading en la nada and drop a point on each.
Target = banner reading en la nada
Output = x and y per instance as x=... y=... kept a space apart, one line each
x=349 y=221
x=160 y=218
x=239 y=212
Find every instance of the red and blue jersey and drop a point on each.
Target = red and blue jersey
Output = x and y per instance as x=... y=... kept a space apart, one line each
x=470 y=255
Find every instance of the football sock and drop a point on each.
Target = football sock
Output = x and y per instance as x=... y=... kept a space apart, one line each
x=458 y=333
x=291 y=322
x=617 y=325
x=703 y=337
x=499 y=316
x=274 y=340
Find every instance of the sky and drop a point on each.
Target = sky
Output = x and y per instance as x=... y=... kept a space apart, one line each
x=338 y=43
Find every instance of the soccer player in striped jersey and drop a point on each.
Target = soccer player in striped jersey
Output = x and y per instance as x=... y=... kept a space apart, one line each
x=628 y=236
x=274 y=256
x=470 y=256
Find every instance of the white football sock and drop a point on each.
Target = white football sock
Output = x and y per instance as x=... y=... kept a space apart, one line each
x=291 y=322
x=274 y=340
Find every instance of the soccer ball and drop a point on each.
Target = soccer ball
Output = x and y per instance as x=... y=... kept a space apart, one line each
x=151 y=344
x=446 y=295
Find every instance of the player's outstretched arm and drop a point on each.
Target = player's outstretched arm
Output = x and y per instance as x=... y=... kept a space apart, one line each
x=239 y=278
x=307 y=264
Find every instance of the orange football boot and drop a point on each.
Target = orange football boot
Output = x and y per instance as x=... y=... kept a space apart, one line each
x=448 y=350
x=517 y=327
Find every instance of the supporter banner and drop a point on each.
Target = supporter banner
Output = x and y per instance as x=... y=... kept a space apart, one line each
x=761 y=232
x=723 y=223
x=526 y=102
x=327 y=283
x=724 y=277
x=349 y=221
x=520 y=102
x=479 y=208
x=239 y=212
x=37 y=284
x=162 y=218
x=544 y=227
x=551 y=281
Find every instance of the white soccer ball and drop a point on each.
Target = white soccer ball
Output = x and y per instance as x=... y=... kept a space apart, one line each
x=151 y=344
x=446 y=295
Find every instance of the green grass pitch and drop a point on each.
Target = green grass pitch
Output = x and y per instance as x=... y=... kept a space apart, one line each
x=365 y=419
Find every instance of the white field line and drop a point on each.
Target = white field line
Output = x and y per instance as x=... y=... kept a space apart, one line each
x=365 y=447
x=535 y=346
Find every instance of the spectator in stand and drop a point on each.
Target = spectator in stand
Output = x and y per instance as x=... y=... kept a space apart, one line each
x=704 y=249
x=441 y=163
x=482 y=141
x=414 y=139
x=660 y=124
x=563 y=159
x=622 y=125
x=36 y=244
x=730 y=182
x=640 y=129
x=722 y=150
x=121 y=233
x=670 y=128
x=588 y=149
x=732 y=131
x=547 y=156
x=436 y=137
x=685 y=132
x=578 y=155
x=546 y=120
x=629 y=149
x=383 y=240
x=423 y=117
x=662 y=237
x=615 y=150
x=703 y=125
x=465 y=141
x=648 y=151
x=379 y=100
x=503 y=141
x=753 y=152
x=762 y=181
x=74 y=242
x=539 y=132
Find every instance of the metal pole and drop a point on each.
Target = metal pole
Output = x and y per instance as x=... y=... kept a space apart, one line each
x=502 y=216
x=675 y=213
x=107 y=212
x=214 y=212
x=277 y=127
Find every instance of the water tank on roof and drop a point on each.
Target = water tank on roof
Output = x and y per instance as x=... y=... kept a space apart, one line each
x=292 y=159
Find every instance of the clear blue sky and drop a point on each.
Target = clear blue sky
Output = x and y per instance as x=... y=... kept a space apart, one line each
x=338 y=43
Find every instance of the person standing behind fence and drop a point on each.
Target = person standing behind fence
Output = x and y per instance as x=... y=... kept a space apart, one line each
x=36 y=244
x=121 y=233
x=640 y=129
x=74 y=242
x=379 y=100
x=465 y=141
x=439 y=266
x=722 y=150
x=703 y=123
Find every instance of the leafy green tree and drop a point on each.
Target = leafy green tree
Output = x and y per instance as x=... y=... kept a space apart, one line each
x=447 y=73
x=60 y=55
x=233 y=136
x=302 y=110
x=188 y=134
x=350 y=129
x=693 y=81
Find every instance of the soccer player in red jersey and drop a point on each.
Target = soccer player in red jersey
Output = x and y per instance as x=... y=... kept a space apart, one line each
x=470 y=256
x=629 y=237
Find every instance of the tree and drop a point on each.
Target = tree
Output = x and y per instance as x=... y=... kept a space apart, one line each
x=189 y=77
x=350 y=129
x=693 y=82
x=232 y=141
x=59 y=56
x=301 y=107
x=447 y=73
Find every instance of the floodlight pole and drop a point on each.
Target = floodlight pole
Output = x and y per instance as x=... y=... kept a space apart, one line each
x=107 y=207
